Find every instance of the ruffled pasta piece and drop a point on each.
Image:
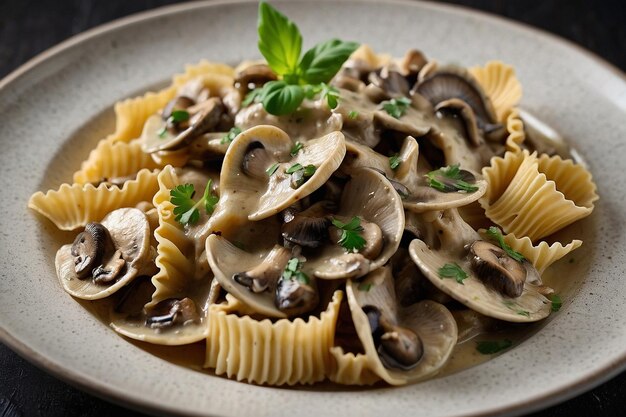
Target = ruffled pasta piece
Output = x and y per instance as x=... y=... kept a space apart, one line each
x=73 y=206
x=366 y=53
x=541 y=255
x=262 y=352
x=351 y=369
x=501 y=86
x=174 y=249
x=535 y=197
x=113 y=160
x=515 y=128
x=177 y=158
x=202 y=68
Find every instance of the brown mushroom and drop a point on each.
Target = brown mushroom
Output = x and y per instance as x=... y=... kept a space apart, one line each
x=172 y=311
x=264 y=275
x=464 y=111
x=88 y=248
x=308 y=228
x=296 y=295
x=496 y=268
x=106 y=273
x=253 y=77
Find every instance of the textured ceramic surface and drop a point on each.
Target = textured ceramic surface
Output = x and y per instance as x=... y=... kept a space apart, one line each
x=57 y=107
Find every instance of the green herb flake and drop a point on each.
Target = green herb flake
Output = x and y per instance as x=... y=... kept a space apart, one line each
x=186 y=209
x=452 y=270
x=394 y=161
x=353 y=114
x=364 y=287
x=451 y=179
x=231 y=135
x=292 y=271
x=495 y=234
x=253 y=96
x=309 y=170
x=351 y=238
x=272 y=169
x=161 y=132
x=294 y=168
x=297 y=147
x=514 y=307
x=489 y=347
x=557 y=303
x=396 y=107
x=179 y=116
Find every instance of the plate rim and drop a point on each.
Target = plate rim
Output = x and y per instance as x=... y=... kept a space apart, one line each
x=92 y=386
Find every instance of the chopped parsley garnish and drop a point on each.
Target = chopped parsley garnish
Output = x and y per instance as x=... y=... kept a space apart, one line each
x=178 y=116
x=351 y=238
x=451 y=179
x=396 y=107
x=161 y=132
x=297 y=147
x=489 y=347
x=453 y=270
x=292 y=271
x=186 y=208
x=495 y=234
x=353 y=114
x=300 y=174
x=364 y=286
x=231 y=135
x=394 y=161
x=557 y=303
x=280 y=43
x=512 y=306
x=272 y=169
x=294 y=168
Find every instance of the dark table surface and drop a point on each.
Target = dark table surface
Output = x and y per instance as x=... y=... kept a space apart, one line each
x=28 y=27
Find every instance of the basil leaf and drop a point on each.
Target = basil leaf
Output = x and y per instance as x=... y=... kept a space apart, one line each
x=281 y=98
x=320 y=63
x=280 y=40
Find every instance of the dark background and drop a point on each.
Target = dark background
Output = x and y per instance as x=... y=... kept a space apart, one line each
x=28 y=27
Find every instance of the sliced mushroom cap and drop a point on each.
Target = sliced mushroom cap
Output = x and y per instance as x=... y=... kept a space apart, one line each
x=296 y=296
x=390 y=81
x=88 y=248
x=229 y=262
x=308 y=228
x=126 y=256
x=203 y=116
x=450 y=238
x=403 y=345
x=444 y=83
x=248 y=193
x=176 y=321
x=253 y=76
x=497 y=269
x=369 y=196
x=461 y=108
x=412 y=63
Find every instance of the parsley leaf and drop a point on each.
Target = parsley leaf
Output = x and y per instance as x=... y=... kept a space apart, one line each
x=396 y=107
x=452 y=270
x=331 y=95
x=557 y=303
x=394 y=161
x=186 y=208
x=364 y=287
x=495 y=234
x=353 y=114
x=300 y=174
x=280 y=98
x=489 y=347
x=178 y=116
x=294 y=168
x=297 y=147
x=231 y=135
x=351 y=238
x=512 y=306
x=272 y=169
x=280 y=40
x=292 y=271
x=320 y=63
x=451 y=179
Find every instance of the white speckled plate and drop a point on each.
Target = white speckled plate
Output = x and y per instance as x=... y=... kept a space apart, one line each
x=56 y=107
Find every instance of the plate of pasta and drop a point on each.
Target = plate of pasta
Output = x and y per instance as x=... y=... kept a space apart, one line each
x=238 y=208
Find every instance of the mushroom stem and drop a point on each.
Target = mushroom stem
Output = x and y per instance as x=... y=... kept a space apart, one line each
x=261 y=277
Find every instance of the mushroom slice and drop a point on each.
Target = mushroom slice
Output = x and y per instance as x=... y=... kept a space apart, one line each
x=449 y=82
x=414 y=122
x=253 y=76
x=460 y=107
x=158 y=136
x=403 y=345
x=118 y=262
x=497 y=269
x=251 y=277
x=390 y=81
x=308 y=228
x=88 y=247
x=450 y=239
x=255 y=190
x=412 y=62
x=175 y=321
x=370 y=197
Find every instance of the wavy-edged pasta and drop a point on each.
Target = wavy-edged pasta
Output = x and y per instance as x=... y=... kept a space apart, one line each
x=351 y=369
x=262 y=352
x=541 y=255
x=73 y=206
x=501 y=85
x=175 y=249
x=114 y=160
x=525 y=201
